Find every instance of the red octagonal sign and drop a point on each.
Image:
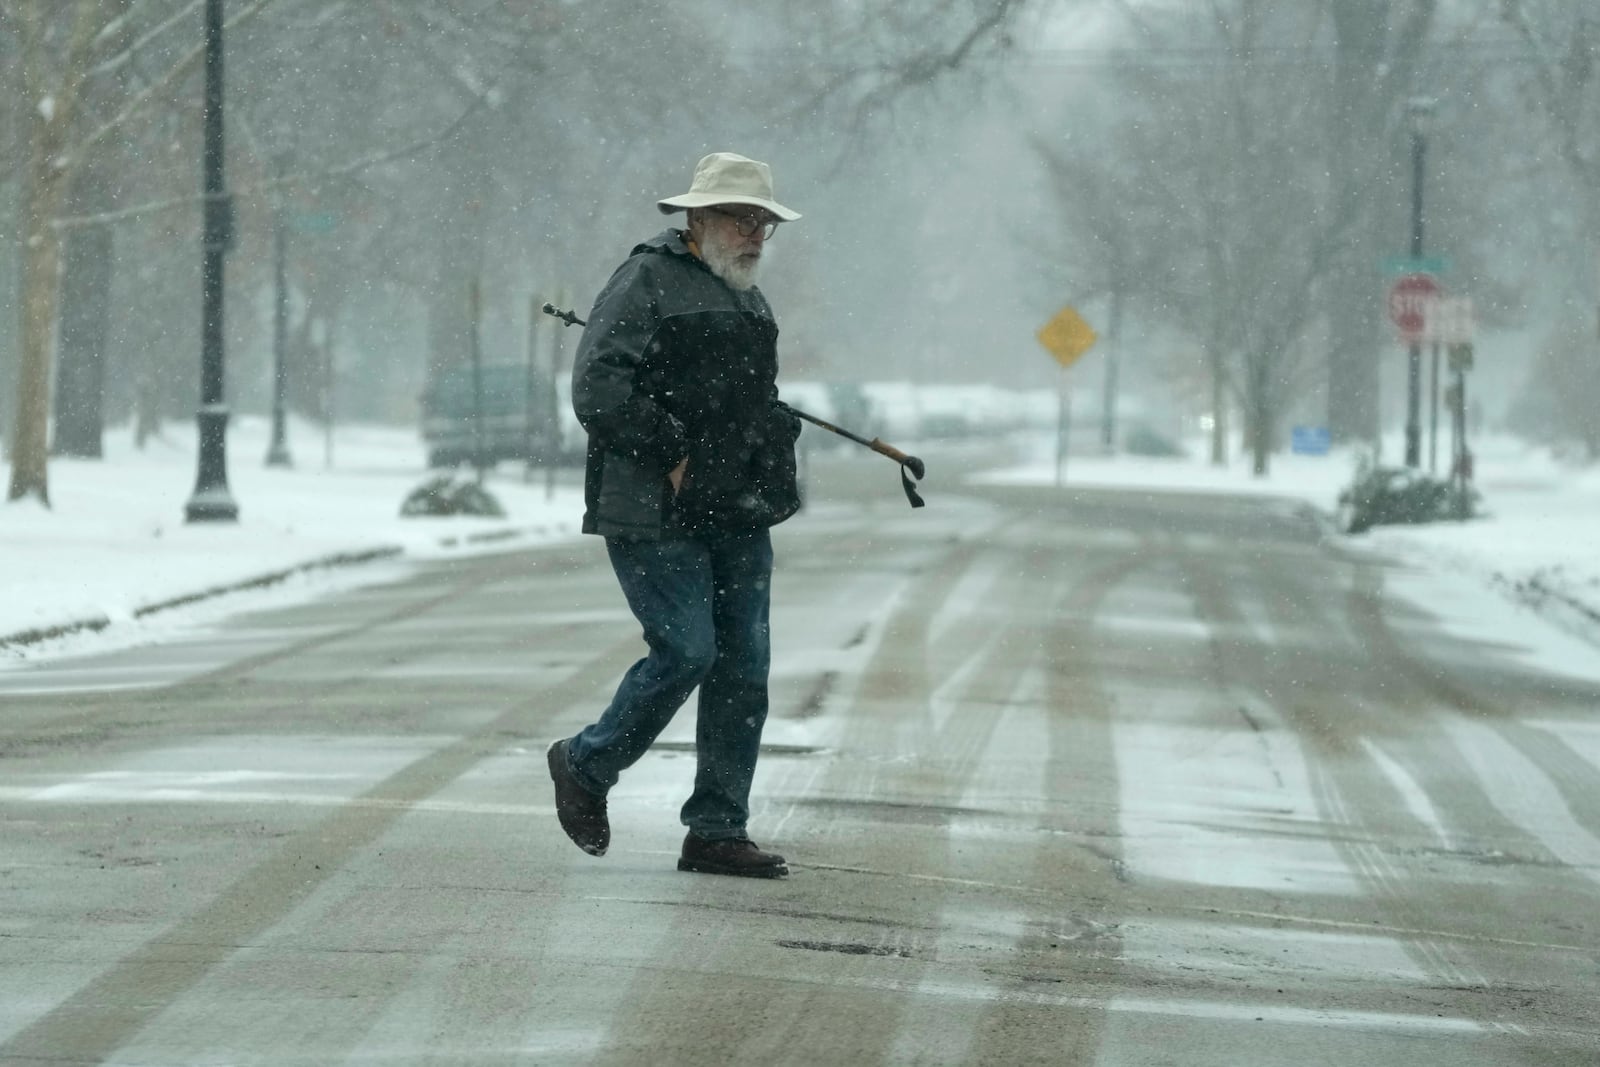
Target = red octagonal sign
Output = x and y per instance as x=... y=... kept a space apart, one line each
x=1410 y=299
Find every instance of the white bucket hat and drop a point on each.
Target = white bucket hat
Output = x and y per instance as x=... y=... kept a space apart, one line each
x=725 y=178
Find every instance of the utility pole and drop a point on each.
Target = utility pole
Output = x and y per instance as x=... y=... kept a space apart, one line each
x=1108 y=419
x=480 y=459
x=1419 y=111
x=211 y=501
x=530 y=411
x=552 y=434
x=278 y=452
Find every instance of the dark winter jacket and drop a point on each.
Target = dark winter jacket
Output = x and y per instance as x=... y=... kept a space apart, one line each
x=674 y=364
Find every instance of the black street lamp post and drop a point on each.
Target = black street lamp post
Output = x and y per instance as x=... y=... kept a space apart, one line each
x=211 y=501
x=278 y=452
x=1419 y=111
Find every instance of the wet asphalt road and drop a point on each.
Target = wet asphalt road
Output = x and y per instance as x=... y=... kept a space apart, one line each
x=1064 y=778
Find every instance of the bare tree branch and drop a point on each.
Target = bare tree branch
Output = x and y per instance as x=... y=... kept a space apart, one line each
x=1558 y=99
x=304 y=177
x=174 y=74
x=126 y=55
x=891 y=78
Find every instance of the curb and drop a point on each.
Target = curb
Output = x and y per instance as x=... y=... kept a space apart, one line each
x=260 y=581
x=24 y=638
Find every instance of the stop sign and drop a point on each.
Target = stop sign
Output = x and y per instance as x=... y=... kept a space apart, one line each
x=1410 y=298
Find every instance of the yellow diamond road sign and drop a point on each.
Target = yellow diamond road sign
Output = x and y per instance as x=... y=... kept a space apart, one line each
x=1067 y=336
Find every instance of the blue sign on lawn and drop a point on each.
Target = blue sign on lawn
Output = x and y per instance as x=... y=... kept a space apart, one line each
x=1310 y=440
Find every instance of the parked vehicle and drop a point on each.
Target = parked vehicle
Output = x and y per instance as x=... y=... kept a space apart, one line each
x=480 y=416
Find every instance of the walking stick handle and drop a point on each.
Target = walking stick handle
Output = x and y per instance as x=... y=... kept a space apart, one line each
x=566 y=316
x=907 y=463
x=898 y=456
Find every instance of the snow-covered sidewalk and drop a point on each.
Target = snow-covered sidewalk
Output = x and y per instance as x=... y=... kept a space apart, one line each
x=1538 y=543
x=113 y=554
x=113 y=557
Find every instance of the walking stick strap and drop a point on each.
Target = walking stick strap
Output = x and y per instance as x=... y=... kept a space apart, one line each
x=911 y=491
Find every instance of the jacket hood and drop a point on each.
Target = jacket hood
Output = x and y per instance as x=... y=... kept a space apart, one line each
x=668 y=240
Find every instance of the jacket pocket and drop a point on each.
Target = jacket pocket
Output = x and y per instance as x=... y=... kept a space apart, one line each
x=631 y=491
x=744 y=482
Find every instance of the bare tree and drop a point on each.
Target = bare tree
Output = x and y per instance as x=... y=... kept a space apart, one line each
x=86 y=273
x=1261 y=197
x=1376 y=51
x=874 y=56
x=1564 y=43
x=52 y=83
x=63 y=46
x=1215 y=172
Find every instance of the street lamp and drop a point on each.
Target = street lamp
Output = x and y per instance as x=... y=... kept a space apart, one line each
x=211 y=501
x=1419 y=113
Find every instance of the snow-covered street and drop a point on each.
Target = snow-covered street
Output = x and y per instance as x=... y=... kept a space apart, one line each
x=1098 y=512
x=1064 y=775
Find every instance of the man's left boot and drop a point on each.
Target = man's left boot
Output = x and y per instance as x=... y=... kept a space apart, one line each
x=737 y=856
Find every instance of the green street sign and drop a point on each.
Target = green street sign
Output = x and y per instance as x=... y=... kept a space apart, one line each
x=314 y=222
x=1397 y=265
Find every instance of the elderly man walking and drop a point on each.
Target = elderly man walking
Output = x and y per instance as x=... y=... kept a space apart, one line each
x=690 y=462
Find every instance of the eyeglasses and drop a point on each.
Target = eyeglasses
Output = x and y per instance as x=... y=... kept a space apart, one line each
x=747 y=225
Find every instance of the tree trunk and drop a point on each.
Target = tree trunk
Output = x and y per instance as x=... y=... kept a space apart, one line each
x=146 y=403
x=85 y=293
x=1354 y=361
x=85 y=327
x=41 y=268
x=1219 y=413
x=1361 y=30
x=1260 y=446
x=49 y=107
x=461 y=236
x=1260 y=416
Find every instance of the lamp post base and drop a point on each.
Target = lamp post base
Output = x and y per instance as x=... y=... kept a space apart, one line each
x=213 y=506
x=211 y=501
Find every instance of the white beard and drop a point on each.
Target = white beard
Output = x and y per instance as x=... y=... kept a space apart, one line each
x=735 y=268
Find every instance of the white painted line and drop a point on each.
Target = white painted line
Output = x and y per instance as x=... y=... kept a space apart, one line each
x=179 y=795
x=1581 y=736
x=1278 y=1013
x=1414 y=796
x=1524 y=794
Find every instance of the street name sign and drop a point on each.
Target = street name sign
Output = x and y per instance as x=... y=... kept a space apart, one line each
x=1396 y=265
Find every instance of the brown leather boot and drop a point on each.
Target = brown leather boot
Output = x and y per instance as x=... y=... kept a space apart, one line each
x=737 y=856
x=582 y=813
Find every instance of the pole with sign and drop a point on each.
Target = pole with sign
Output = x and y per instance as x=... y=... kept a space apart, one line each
x=1066 y=337
x=1409 y=299
x=1453 y=326
x=1449 y=323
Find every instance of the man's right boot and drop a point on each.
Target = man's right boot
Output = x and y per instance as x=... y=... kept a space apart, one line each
x=582 y=813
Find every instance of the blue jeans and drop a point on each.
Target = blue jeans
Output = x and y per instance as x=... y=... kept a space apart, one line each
x=703 y=603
